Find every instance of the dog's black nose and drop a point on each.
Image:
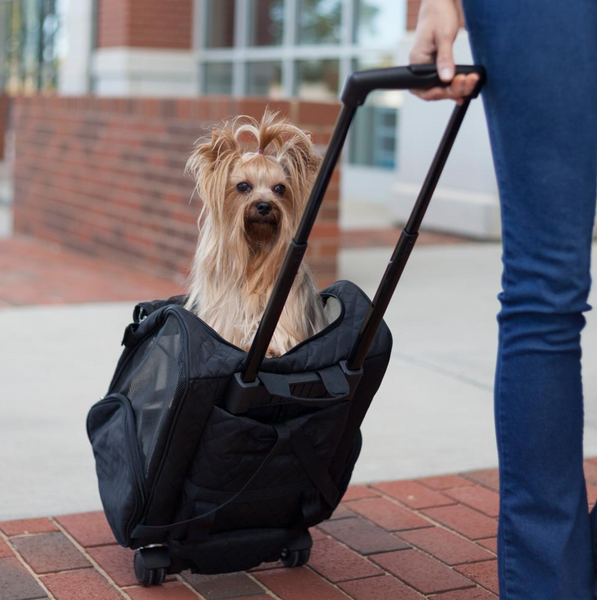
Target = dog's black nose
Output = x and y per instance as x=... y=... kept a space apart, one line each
x=264 y=208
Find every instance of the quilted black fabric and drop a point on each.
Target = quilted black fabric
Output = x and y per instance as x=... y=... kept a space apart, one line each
x=168 y=451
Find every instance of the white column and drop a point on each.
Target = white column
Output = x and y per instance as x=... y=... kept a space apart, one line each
x=144 y=72
x=74 y=75
x=466 y=200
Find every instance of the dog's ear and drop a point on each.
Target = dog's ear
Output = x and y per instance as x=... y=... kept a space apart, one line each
x=210 y=162
x=300 y=159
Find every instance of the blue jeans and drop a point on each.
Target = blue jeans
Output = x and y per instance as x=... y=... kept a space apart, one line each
x=541 y=105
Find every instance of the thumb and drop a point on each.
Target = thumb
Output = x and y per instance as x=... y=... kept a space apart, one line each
x=445 y=60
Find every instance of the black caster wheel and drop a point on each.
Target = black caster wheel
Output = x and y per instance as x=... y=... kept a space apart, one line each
x=295 y=558
x=147 y=577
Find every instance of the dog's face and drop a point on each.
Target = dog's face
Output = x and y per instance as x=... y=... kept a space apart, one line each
x=260 y=189
x=254 y=178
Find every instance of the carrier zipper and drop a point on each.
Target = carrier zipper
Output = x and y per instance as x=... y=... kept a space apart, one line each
x=171 y=425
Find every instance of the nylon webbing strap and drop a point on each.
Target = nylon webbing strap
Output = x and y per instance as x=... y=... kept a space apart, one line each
x=333 y=380
x=283 y=433
x=316 y=469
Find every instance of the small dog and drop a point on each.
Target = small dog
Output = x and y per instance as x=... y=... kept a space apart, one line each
x=254 y=179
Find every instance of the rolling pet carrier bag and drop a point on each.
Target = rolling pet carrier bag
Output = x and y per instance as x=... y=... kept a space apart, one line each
x=215 y=460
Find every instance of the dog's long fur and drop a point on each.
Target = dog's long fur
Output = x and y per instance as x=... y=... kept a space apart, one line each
x=239 y=253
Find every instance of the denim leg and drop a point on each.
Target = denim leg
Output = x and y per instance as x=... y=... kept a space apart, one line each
x=541 y=105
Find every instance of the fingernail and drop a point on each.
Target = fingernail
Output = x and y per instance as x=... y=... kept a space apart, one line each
x=446 y=73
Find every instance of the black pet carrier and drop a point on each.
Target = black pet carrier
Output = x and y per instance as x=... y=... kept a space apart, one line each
x=215 y=460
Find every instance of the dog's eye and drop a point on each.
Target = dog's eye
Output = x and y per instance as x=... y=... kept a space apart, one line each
x=243 y=187
x=279 y=189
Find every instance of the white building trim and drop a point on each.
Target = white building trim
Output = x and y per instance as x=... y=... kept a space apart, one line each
x=144 y=72
x=75 y=68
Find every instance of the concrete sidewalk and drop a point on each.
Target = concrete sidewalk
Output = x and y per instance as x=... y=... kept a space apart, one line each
x=433 y=414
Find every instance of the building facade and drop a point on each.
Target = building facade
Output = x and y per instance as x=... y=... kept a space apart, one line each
x=278 y=49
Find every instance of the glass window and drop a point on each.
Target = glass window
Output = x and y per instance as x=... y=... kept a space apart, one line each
x=220 y=16
x=373 y=136
x=264 y=79
x=378 y=22
x=217 y=78
x=32 y=45
x=317 y=80
x=319 y=21
x=266 y=22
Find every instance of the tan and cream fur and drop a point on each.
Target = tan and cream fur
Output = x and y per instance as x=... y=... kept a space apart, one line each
x=254 y=179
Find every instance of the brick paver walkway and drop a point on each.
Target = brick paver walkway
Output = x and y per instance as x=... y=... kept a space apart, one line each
x=431 y=538
x=35 y=272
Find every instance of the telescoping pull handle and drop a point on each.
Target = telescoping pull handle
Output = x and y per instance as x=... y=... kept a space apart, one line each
x=414 y=77
x=357 y=87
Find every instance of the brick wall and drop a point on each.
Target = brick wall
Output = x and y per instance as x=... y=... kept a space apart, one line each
x=145 y=23
x=3 y=123
x=105 y=176
x=412 y=12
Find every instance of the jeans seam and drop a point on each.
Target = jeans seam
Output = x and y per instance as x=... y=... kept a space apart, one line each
x=504 y=459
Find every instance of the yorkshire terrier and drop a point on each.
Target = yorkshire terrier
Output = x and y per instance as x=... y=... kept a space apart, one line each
x=254 y=179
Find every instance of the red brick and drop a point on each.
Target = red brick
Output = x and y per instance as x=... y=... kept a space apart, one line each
x=117 y=562
x=298 y=584
x=49 y=552
x=485 y=574
x=379 y=588
x=418 y=570
x=443 y=482
x=89 y=529
x=590 y=470
x=413 y=494
x=167 y=591
x=591 y=495
x=337 y=563
x=342 y=512
x=5 y=551
x=446 y=546
x=146 y=23
x=464 y=520
x=4 y=109
x=356 y=492
x=24 y=526
x=388 y=514
x=16 y=583
x=489 y=543
x=490 y=478
x=481 y=499
x=362 y=536
x=220 y=587
x=312 y=113
x=470 y=594
x=105 y=176
x=74 y=585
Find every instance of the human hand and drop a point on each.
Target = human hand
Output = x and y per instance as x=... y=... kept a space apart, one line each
x=437 y=28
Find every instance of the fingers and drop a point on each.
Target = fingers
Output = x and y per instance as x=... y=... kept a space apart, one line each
x=445 y=60
x=460 y=87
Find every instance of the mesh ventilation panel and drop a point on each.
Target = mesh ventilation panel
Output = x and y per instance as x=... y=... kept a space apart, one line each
x=154 y=381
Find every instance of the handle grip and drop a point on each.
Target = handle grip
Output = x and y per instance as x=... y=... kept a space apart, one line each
x=419 y=77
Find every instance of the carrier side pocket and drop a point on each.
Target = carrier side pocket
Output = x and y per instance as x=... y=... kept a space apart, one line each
x=119 y=464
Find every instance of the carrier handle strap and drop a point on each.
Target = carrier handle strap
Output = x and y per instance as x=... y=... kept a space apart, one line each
x=283 y=435
x=317 y=470
x=144 y=309
x=333 y=380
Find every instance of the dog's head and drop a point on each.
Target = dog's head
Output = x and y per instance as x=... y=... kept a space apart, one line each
x=254 y=178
